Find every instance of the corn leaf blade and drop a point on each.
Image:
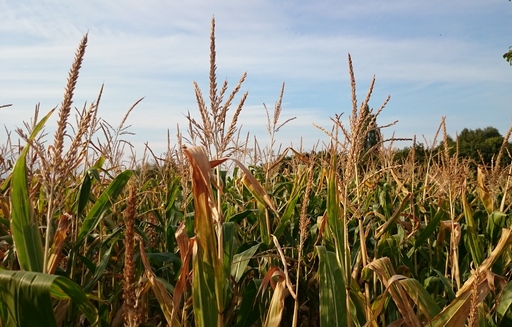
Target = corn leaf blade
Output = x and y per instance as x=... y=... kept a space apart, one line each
x=505 y=306
x=24 y=226
x=103 y=203
x=208 y=274
x=333 y=305
x=26 y=298
x=241 y=260
x=203 y=291
x=475 y=245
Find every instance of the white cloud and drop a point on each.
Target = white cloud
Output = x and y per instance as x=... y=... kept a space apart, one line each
x=157 y=48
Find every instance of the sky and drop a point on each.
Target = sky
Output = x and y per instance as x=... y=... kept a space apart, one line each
x=434 y=58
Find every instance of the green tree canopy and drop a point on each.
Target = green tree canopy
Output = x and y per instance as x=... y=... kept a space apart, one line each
x=480 y=145
x=508 y=56
x=373 y=137
x=421 y=153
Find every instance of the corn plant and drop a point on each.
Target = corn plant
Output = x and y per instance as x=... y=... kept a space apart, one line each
x=343 y=235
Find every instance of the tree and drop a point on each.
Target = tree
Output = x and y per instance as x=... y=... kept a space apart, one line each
x=480 y=145
x=421 y=153
x=508 y=56
x=373 y=137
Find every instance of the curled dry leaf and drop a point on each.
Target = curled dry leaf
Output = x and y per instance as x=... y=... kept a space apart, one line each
x=254 y=186
x=451 y=226
x=185 y=245
x=483 y=191
x=387 y=275
x=58 y=243
x=283 y=259
x=203 y=198
x=164 y=298
x=275 y=311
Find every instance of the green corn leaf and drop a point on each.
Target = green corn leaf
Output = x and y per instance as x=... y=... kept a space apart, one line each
x=394 y=217
x=5 y=185
x=421 y=297
x=208 y=269
x=172 y=195
x=505 y=306
x=239 y=217
x=203 y=292
x=249 y=313
x=167 y=257
x=86 y=262
x=100 y=269
x=495 y=222
x=333 y=299
x=457 y=312
x=230 y=244
x=241 y=260
x=430 y=228
x=26 y=298
x=448 y=287
x=25 y=228
x=474 y=243
x=103 y=204
x=287 y=214
x=335 y=220
x=84 y=193
x=98 y=165
x=292 y=202
x=357 y=305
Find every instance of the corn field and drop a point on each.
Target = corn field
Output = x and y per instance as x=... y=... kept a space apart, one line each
x=219 y=232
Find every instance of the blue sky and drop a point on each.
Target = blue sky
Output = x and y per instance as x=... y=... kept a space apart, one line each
x=434 y=58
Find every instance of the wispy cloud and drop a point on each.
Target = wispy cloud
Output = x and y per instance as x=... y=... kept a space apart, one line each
x=431 y=65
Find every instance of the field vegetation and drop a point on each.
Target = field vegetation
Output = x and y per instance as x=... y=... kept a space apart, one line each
x=222 y=232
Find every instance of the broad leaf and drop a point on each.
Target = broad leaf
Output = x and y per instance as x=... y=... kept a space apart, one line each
x=24 y=225
x=474 y=243
x=505 y=306
x=103 y=203
x=333 y=299
x=241 y=260
x=26 y=298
